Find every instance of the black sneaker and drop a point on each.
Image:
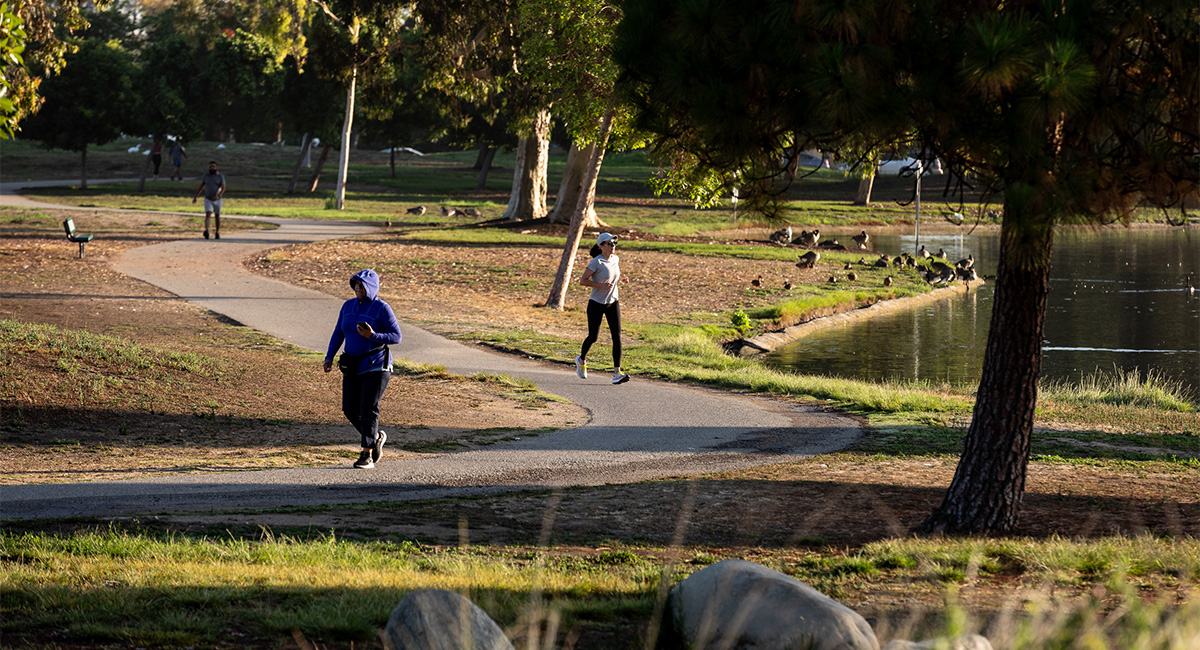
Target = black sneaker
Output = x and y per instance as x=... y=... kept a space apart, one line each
x=377 y=451
x=206 y=234
x=364 y=460
x=218 y=235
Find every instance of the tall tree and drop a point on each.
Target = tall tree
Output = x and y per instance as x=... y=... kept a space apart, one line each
x=1073 y=110
x=569 y=54
x=42 y=30
x=12 y=44
x=359 y=35
x=1076 y=111
x=89 y=102
x=473 y=50
x=242 y=81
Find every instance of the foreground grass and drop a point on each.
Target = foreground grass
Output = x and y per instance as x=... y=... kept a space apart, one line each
x=117 y=586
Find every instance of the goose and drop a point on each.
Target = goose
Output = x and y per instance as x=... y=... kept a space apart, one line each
x=882 y=262
x=449 y=212
x=833 y=279
x=757 y=282
x=966 y=275
x=473 y=212
x=887 y=281
x=852 y=276
x=848 y=266
x=861 y=239
x=968 y=262
x=941 y=253
x=808 y=260
x=898 y=261
x=923 y=253
x=787 y=285
x=808 y=239
x=419 y=210
x=783 y=236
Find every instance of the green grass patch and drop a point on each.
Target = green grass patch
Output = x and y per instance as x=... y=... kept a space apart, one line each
x=116 y=586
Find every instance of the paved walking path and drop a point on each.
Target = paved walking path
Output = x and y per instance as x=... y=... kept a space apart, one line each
x=639 y=430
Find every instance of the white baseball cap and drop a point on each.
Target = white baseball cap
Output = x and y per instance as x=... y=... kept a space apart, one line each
x=603 y=237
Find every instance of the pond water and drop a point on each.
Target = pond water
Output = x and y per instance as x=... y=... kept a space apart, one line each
x=1117 y=301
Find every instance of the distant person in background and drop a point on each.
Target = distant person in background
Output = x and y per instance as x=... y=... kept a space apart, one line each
x=178 y=153
x=212 y=184
x=602 y=275
x=156 y=157
x=367 y=325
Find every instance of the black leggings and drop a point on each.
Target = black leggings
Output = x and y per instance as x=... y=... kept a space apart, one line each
x=360 y=402
x=596 y=311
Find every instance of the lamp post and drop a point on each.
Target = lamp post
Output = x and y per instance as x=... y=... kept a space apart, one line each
x=919 y=168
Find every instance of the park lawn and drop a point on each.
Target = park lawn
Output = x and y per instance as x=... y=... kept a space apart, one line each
x=1107 y=545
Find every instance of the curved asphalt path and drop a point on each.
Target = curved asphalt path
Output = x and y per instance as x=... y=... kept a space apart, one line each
x=640 y=430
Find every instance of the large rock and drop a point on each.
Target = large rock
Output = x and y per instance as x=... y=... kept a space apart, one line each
x=436 y=619
x=965 y=642
x=741 y=605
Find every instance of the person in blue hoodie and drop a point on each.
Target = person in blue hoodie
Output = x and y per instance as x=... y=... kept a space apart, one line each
x=367 y=326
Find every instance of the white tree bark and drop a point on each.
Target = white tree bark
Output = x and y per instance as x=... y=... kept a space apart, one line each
x=344 y=155
x=863 y=196
x=528 y=197
x=584 y=205
x=574 y=174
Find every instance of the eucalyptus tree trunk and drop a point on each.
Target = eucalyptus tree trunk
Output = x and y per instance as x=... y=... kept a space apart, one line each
x=985 y=494
x=572 y=184
x=305 y=147
x=316 y=175
x=865 y=185
x=528 y=197
x=583 y=205
x=484 y=164
x=347 y=128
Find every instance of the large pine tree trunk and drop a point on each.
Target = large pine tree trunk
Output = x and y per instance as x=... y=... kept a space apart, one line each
x=584 y=205
x=985 y=495
x=528 y=197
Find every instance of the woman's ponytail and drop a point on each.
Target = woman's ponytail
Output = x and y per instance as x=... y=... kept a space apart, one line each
x=595 y=250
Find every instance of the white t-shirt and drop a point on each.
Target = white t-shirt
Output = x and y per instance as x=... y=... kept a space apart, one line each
x=605 y=270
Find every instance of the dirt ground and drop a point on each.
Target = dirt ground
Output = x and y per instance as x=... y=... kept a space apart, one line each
x=59 y=426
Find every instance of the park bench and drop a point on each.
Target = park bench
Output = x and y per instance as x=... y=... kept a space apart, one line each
x=69 y=226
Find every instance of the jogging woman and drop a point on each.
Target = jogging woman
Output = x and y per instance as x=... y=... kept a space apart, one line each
x=602 y=275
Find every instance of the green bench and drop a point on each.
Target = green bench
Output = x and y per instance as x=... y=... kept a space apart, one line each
x=69 y=226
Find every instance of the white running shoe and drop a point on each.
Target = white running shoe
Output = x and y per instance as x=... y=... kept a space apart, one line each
x=581 y=367
x=619 y=378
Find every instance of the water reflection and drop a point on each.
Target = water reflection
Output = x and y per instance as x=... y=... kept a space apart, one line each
x=1116 y=301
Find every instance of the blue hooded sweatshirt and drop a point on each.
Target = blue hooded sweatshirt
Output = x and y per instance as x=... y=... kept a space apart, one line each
x=378 y=314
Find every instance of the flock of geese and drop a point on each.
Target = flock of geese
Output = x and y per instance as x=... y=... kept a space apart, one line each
x=420 y=210
x=934 y=268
